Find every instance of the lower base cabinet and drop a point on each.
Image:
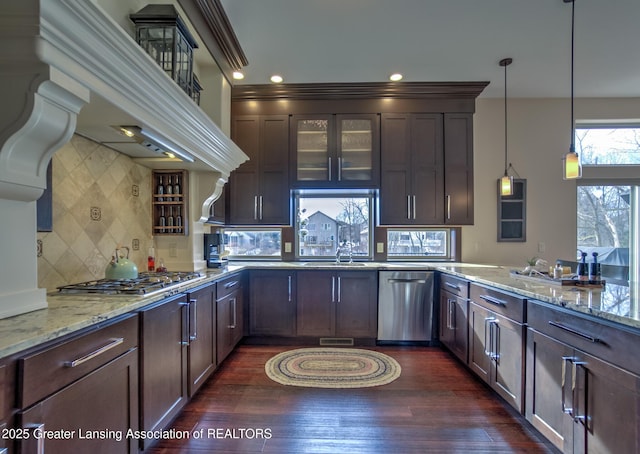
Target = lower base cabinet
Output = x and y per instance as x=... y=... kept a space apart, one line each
x=582 y=404
x=272 y=305
x=341 y=304
x=85 y=387
x=454 y=325
x=230 y=315
x=164 y=338
x=202 y=336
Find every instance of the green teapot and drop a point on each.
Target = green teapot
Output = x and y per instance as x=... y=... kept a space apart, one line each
x=120 y=267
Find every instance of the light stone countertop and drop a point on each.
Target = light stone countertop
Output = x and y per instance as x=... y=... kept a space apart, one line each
x=68 y=313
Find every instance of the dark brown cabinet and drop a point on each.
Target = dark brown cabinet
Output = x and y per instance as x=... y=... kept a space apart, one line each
x=411 y=187
x=84 y=384
x=454 y=334
x=341 y=304
x=164 y=335
x=582 y=403
x=202 y=336
x=496 y=341
x=272 y=303
x=230 y=312
x=335 y=150
x=259 y=188
x=458 y=168
x=427 y=169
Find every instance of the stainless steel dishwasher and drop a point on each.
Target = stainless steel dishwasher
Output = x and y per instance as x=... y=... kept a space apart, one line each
x=405 y=306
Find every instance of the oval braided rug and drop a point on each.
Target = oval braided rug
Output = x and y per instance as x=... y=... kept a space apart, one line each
x=332 y=368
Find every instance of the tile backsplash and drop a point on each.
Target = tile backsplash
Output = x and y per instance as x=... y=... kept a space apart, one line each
x=101 y=198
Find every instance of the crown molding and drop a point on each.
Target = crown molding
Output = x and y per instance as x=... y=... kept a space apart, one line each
x=364 y=90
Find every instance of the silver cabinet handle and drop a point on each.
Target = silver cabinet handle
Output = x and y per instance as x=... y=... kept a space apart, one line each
x=185 y=323
x=289 y=287
x=414 y=206
x=333 y=289
x=488 y=336
x=448 y=206
x=408 y=207
x=452 y=286
x=575 y=332
x=495 y=301
x=340 y=169
x=255 y=207
x=495 y=327
x=193 y=336
x=34 y=444
x=83 y=359
x=339 y=290
x=329 y=168
x=572 y=410
x=233 y=314
x=260 y=207
x=228 y=285
x=451 y=314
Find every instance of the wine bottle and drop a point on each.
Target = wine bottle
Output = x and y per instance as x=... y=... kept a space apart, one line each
x=170 y=220
x=595 y=276
x=179 y=222
x=176 y=188
x=160 y=189
x=169 y=189
x=162 y=220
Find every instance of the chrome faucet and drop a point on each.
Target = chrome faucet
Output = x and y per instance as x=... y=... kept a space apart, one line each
x=339 y=251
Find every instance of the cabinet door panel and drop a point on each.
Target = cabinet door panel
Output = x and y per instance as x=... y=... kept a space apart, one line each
x=310 y=142
x=316 y=300
x=426 y=165
x=508 y=370
x=358 y=149
x=356 y=308
x=543 y=407
x=202 y=332
x=458 y=165
x=395 y=158
x=274 y=201
x=271 y=302
x=479 y=361
x=245 y=131
x=243 y=197
x=106 y=399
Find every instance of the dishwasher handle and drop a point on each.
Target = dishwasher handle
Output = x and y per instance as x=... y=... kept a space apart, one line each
x=404 y=281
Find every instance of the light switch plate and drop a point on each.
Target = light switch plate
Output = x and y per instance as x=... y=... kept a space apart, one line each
x=287 y=247
x=380 y=248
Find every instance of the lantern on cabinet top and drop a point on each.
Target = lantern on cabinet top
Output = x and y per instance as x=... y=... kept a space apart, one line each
x=162 y=33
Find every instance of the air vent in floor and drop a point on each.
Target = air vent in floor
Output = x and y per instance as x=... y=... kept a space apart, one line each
x=343 y=341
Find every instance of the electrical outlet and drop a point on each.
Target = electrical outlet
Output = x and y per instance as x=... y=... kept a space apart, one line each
x=541 y=247
x=287 y=247
x=380 y=248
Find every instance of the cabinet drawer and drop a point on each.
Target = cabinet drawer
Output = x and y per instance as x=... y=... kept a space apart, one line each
x=48 y=370
x=615 y=344
x=508 y=304
x=228 y=285
x=454 y=285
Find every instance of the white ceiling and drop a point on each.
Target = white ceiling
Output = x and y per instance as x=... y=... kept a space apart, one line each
x=316 y=41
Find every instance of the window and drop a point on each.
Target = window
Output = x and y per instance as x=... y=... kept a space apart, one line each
x=249 y=243
x=607 y=197
x=427 y=243
x=339 y=219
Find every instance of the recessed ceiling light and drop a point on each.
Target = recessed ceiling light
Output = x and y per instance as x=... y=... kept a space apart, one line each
x=395 y=77
x=276 y=79
x=237 y=75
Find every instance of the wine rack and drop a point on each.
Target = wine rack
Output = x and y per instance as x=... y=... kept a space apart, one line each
x=170 y=202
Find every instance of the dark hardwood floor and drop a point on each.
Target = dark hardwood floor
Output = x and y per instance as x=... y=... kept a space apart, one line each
x=435 y=406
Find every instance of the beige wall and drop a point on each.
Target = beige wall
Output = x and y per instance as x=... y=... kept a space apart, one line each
x=538 y=136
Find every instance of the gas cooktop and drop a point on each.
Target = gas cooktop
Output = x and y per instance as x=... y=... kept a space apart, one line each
x=144 y=284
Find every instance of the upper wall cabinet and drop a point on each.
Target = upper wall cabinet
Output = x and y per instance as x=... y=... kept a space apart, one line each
x=259 y=188
x=335 y=150
x=458 y=168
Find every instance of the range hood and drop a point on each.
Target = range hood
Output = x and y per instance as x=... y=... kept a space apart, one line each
x=63 y=61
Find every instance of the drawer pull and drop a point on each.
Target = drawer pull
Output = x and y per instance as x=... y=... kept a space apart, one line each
x=452 y=286
x=492 y=300
x=575 y=332
x=228 y=285
x=83 y=359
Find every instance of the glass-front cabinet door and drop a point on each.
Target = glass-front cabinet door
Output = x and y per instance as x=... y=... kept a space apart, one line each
x=336 y=150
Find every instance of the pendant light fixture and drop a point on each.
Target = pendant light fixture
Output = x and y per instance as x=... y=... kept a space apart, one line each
x=571 y=166
x=506 y=182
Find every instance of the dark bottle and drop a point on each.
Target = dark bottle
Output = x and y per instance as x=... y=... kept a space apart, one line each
x=160 y=189
x=179 y=222
x=176 y=188
x=162 y=220
x=583 y=270
x=170 y=220
x=169 y=189
x=595 y=276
